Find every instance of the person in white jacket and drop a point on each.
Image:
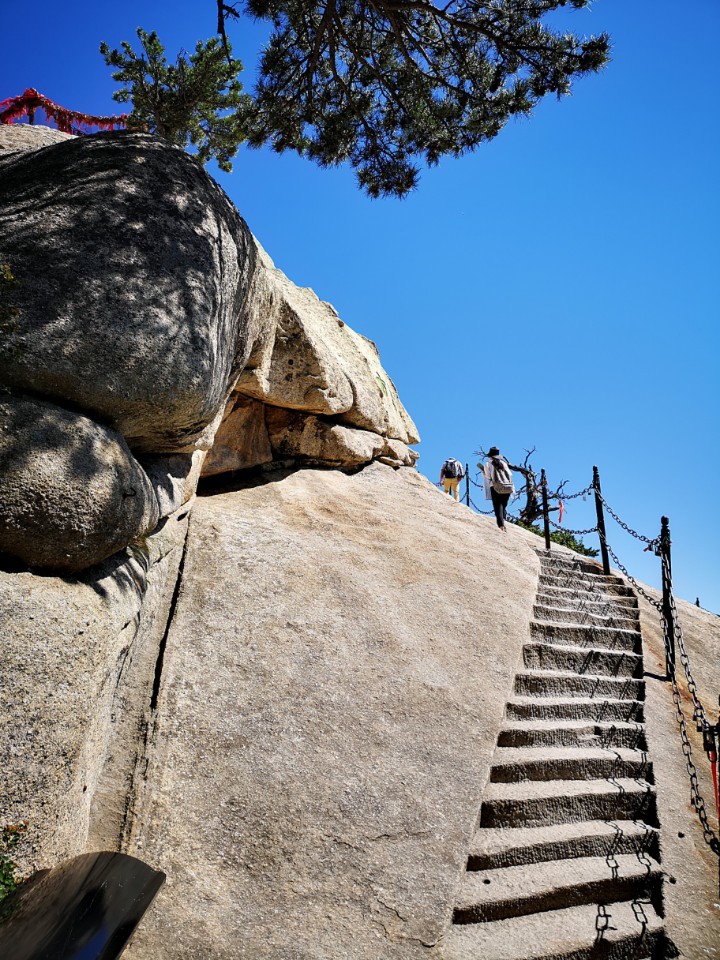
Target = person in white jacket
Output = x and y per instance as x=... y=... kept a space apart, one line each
x=498 y=479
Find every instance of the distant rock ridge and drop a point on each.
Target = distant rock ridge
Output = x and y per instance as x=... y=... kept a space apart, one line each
x=145 y=304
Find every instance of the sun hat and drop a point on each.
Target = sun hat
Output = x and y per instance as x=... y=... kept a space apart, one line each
x=493 y=452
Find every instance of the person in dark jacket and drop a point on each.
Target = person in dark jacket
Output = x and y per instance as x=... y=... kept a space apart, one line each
x=451 y=473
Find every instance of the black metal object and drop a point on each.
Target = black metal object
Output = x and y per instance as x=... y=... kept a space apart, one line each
x=546 y=514
x=600 y=521
x=84 y=909
x=667 y=605
x=467 y=484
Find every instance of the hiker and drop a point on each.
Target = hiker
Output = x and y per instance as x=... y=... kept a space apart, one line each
x=498 y=477
x=451 y=473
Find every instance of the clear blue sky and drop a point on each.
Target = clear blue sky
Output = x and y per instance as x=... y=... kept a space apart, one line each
x=558 y=288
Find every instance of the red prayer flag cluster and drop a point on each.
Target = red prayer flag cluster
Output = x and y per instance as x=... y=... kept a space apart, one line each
x=68 y=121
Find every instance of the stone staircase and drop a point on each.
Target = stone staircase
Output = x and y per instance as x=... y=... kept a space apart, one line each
x=565 y=861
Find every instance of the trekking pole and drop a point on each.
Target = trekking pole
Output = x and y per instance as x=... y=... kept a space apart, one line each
x=467 y=484
x=601 y=522
x=666 y=562
x=546 y=516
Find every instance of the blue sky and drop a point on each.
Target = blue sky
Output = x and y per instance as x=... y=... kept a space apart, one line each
x=557 y=288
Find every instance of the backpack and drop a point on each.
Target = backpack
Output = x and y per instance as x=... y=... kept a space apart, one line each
x=451 y=468
x=501 y=476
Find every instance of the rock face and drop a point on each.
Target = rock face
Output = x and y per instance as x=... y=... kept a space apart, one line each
x=25 y=136
x=308 y=359
x=78 y=661
x=338 y=660
x=144 y=303
x=72 y=494
x=300 y=733
x=132 y=285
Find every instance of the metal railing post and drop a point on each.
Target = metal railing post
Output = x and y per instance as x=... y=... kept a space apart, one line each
x=546 y=515
x=601 y=522
x=666 y=562
x=467 y=484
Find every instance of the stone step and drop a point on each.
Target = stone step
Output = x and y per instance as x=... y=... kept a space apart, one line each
x=552 y=561
x=493 y=848
x=582 y=660
x=514 y=764
x=535 y=803
x=592 y=587
x=582 y=617
x=616 y=931
x=581 y=577
x=532 y=888
x=571 y=733
x=574 y=708
x=609 y=638
x=565 y=595
x=555 y=683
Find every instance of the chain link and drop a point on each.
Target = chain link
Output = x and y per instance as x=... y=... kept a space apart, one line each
x=696 y=798
x=626 y=528
x=629 y=576
x=487 y=513
x=573 y=496
x=699 y=716
x=575 y=533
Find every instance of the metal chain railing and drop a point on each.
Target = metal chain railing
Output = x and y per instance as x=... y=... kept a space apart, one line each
x=672 y=633
x=626 y=528
x=671 y=626
x=629 y=576
x=573 y=496
x=696 y=798
x=575 y=533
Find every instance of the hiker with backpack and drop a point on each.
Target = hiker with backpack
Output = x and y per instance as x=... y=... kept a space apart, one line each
x=451 y=473
x=498 y=476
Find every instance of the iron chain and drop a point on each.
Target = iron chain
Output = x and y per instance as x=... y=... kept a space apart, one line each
x=626 y=528
x=574 y=496
x=696 y=798
x=629 y=576
x=575 y=533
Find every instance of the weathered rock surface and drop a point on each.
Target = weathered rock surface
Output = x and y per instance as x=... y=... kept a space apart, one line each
x=307 y=359
x=325 y=724
x=174 y=478
x=72 y=493
x=26 y=136
x=309 y=765
x=67 y=646
x=242 y=439
x=133 y=270
x=296 y=435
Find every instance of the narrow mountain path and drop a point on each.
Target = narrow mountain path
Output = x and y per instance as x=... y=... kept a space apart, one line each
x=565 y=861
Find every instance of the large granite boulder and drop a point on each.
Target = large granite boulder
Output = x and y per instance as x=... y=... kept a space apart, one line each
x=242 y=441
x=25 y=136
x=72 y=493
x=306 y=358
x=133 y=270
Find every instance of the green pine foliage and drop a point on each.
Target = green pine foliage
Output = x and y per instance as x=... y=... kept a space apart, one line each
x=196 y=101
x=564 y=539
x=385 y=84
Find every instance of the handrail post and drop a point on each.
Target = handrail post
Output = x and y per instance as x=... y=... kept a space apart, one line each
x=601 y=522
x=546 y=515
x=666 y=562
x=467 y=484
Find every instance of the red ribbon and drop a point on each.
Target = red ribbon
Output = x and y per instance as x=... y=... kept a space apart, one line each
x=68 y=121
